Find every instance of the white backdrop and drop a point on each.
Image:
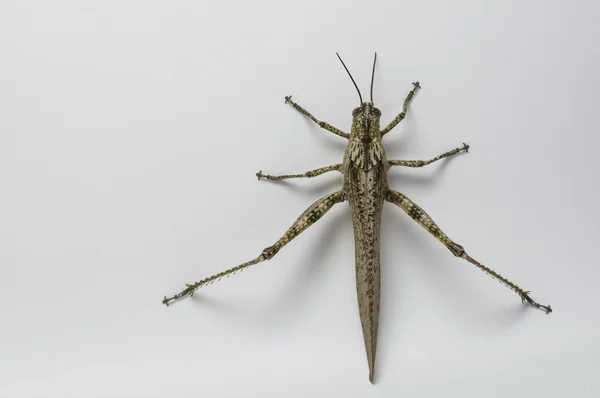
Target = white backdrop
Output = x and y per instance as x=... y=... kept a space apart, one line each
x=130 y=136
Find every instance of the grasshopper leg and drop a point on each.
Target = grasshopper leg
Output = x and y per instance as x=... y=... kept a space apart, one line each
x=323 y=125
x=306 y=219
x=421 y=163
x=421 y=217
x=402 y=114
x=308 y=174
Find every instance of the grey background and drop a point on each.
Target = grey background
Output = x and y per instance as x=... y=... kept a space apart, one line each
x=130 y=133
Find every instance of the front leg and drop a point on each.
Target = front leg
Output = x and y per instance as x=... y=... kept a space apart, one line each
x=421 y=163
x=308 y=174
x=420 y=216
x=402 y=114
x=306 y=219
x=323 y=125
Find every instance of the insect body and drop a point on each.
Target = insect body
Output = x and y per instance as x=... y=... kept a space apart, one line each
x=365 y=181
x=365 y=168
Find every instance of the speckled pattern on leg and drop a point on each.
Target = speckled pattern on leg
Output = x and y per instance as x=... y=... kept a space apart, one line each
x=323 y=125
x=402 y=114
x=421 y=163
x=308 y=174
x=306 y=219
x=421 y=217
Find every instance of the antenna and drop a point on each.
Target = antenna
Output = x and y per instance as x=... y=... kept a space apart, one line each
x=373 y=77
x=351 y=78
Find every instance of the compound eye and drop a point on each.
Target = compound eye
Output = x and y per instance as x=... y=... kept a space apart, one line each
x=377 y=111
x=356 y=111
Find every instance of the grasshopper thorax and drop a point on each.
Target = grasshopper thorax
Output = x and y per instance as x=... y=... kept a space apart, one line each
x=365 y=123
x=365 y=149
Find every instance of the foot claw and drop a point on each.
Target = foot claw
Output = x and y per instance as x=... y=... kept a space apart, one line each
x=187 y=291
x=526 y=299
x=417 y=85
x=288 y=99
x=465 y=147
x=259 y=175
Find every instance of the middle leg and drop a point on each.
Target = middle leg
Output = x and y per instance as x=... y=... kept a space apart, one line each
x=421 y=217
x=308 y=174
x=421 y=163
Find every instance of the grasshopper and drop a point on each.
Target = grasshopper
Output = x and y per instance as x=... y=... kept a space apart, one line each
x=365 y=188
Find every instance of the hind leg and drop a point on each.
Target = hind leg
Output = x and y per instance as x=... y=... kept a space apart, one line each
x=420 y=216
x=306 y=219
